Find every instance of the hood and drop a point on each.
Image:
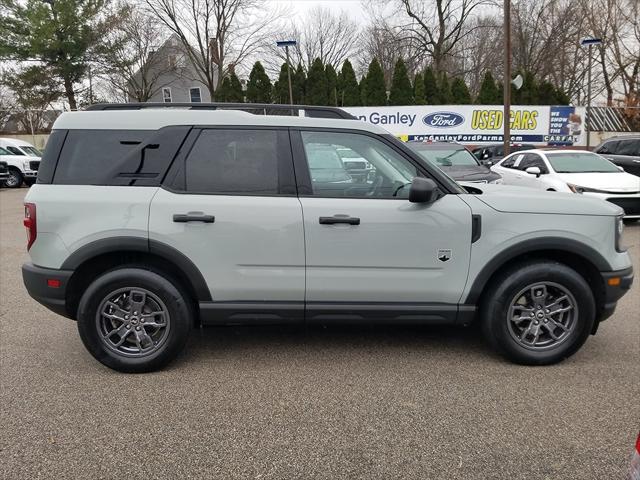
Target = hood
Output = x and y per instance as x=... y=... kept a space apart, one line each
x=470 y=173
x=619 y=182
x=527 y=200
x=19 y=158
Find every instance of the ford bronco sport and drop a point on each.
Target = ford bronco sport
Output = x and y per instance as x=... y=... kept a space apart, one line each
x=146 y=222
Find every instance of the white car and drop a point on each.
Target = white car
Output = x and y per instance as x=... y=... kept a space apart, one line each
x=573 y=171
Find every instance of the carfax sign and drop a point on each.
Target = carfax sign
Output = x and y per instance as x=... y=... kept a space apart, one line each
x=476 y=124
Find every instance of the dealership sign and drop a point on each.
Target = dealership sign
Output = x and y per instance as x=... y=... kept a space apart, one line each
x=549 y=125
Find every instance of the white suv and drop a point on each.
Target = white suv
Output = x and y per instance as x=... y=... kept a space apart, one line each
x=147 y=222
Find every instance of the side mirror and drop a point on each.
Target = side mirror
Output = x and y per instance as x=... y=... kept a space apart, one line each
x=423 y=190
x=485 y=156
x=487 y=163
x=534 y=171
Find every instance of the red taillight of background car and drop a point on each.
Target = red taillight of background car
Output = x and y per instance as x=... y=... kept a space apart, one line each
x=30 y=223
x=634 y=472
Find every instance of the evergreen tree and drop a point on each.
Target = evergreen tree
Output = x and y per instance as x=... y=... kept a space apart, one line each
x=561 y=97
x=444 y=90
x=236 y=95
x=63 y=35
x=230 y=90
x=418 y=90
x=222 y=93
x=401 y=91
x=281 y=86
x=375 y=91
x=298 y=82
x=316 y=86
x=489 y=93
x=431 y=91
x=259 y=85
x=362 y=87
x=527 y=94
x=546 y=93
x=459 y=92
x=349 y=89
x=332 y=85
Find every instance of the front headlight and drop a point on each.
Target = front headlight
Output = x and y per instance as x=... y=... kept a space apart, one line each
x=579 y=189
x=25 y=166
x=619 y=231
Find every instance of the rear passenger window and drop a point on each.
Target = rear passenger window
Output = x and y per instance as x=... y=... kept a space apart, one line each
x=628 y=147
x=239 y=162
x=89 y=156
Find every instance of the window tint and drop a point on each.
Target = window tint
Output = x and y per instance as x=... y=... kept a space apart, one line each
x=89 y=156
x=15 y=150
x=5 y=152
x=245 y=162
x=628 y=147
x=389 y=176
x=510 y=162
x=609 y=147
x=532 y=160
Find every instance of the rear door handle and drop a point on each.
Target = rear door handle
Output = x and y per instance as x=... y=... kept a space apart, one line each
x=346 y=219
x=193 y=217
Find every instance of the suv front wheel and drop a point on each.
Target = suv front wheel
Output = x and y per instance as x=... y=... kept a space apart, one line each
x=538 y=313
x=133 y=320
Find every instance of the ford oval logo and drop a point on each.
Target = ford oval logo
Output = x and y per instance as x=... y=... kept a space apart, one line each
x=443 y=120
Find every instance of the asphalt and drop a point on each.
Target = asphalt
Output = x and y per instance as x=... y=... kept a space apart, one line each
x=294 y=403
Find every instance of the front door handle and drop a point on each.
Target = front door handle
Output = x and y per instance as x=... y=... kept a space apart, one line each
x=193 y=217
x=346 y=219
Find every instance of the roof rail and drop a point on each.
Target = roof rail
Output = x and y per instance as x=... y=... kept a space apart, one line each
x=255 y=108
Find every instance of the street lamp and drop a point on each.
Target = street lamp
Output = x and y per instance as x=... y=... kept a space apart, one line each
x=589 y=42
x=506 y=78
x=286 y=44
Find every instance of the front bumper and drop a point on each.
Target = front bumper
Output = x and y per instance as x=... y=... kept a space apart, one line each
x=48 y=286
x=629 y=202
x=30 y=173
x=616 y=284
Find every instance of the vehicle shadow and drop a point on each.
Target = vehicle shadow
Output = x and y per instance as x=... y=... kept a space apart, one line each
x=234 y=343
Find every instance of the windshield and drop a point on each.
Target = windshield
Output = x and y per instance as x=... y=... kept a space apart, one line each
x=580 y=162
x=32 y=151
x=5 y=152
x=451 y=157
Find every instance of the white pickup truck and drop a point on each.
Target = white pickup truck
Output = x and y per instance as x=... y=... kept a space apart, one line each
x=22 y=168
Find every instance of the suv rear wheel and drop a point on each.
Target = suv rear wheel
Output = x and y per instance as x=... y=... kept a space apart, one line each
x=538 y=313
x=133 y=320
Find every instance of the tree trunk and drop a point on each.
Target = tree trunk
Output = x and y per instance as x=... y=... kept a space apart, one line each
x=71 y=95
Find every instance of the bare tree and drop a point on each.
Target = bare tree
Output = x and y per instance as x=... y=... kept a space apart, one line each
x=331 y=37
x=216 y=34
x=438 y=30
x=624 y=45
x=129 y=63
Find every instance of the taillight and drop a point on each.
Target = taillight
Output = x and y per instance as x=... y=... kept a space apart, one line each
x=30 y=223
x=638 y=444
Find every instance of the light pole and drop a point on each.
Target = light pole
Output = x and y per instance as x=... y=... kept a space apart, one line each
x=286 y=44
x=589 y=42
x=506 y=78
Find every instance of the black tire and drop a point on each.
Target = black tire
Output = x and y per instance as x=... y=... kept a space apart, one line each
x=496 y=312
x=15 y=179
x=169 y=341
x=29 y=181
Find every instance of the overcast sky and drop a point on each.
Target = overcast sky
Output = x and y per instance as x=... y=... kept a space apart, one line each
x=301 y=7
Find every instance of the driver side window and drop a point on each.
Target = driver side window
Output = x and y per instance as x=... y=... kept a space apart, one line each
x=384 y=173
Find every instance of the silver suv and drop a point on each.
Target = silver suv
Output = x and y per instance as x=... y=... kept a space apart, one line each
x=147 y=222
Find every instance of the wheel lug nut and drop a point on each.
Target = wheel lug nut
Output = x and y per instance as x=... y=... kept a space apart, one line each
x=547 y=310
x=137 y=328
x=128 y=326
x=126 y=317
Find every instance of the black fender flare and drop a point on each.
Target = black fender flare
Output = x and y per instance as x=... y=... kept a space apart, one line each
x=142 y=245
x=534 y=245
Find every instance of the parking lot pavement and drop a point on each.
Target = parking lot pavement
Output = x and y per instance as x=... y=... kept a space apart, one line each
x=283 y=403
